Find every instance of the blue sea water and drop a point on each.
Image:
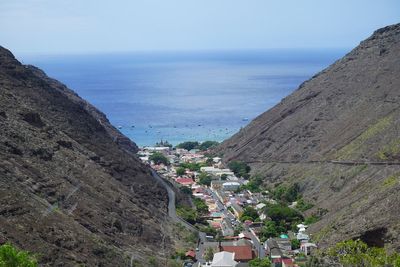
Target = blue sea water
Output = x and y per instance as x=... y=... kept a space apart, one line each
x=180 y=96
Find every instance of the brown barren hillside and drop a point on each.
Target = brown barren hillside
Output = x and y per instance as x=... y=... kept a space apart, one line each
x=71 y=190
x=338 y=136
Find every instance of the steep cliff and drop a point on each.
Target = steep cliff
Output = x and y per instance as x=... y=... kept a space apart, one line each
x=338 y=136
x=71 y=189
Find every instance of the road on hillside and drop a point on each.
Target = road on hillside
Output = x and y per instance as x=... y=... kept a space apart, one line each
x=171 y=202
x=172 y=214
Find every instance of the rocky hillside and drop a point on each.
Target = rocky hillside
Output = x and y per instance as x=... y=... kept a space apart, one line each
x=338 y=136
x=71 y=189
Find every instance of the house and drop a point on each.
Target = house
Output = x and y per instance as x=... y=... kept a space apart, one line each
x=237 y=210
x=283 y=262
x=242 y=249
x=185 y=181
x=288 y=263
x=284 y=244
x=224 y=259
x=307 y=247
x=260 y=206
x=226 y=228
x=230 y=186
x=302 y=236
x=191 y=254
x=272 y=249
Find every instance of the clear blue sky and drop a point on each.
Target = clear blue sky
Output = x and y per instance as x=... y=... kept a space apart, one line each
x=82 y=26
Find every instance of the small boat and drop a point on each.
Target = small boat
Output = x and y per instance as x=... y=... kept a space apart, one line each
x=119 y=127
x=245 y=119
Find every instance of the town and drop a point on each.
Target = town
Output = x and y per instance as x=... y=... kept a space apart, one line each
x=240 y=223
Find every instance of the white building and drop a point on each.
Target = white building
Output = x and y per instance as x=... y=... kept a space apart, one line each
x=224 y=259
x=157 y=148
x=217 y=171
x=230 y=186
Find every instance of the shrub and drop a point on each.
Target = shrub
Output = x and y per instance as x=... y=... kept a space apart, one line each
x=240 y=168
x=249 y=213
x=287 y=193
x=357 y=253
x=303 y=206
x=295 y=243
x=201 y=206
x=260 y=263
x=205 y=179
x=189 y=145
x=207 y=144
x=159 y=158
x=180 y=171
x=13 y=257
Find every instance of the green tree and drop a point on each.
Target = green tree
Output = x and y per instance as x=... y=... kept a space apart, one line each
x=295 y=243
x=153 y=262
x=188 y=145
x=260 y=263
x=205 y=179
x=180 y=171
x=201 y=206
x=224 y=176
x=279 y=212
x=192 y=166
x=186 y=190
x=287 y=193
x=311 y=219
x=302 y=205
x=207 y=144
x=357 y=253
x=240 y=168
x=13 y=257
x=249 y=213
x=269 y=230
x=209 y=254
x=187 y=213
x=254 y=184
x=159 y=158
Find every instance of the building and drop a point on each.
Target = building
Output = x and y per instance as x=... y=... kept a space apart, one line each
x=185 y=181
x=224 y=259
x=216 y=171
x=284 y=244
x=288 y=263
x=226 y=228
x=243 y=253
x=260 y=206
x=272 y=249
x=237 y=210
x=307 y=247
x=230 y=186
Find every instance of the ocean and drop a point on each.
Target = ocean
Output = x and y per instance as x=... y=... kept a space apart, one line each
x=182 y=96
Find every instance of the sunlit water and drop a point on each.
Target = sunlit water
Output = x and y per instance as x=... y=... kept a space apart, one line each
x=184 y=96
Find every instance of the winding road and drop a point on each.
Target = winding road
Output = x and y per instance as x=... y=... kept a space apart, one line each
x=171 y=202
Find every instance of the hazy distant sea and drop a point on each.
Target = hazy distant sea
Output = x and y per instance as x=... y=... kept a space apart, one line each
x=184 y=96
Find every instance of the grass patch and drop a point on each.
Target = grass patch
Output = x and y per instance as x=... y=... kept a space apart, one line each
x=357 y=144
x=390 y=151
x=391 y=181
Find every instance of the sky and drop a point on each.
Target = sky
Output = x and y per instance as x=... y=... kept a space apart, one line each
x=104 y=26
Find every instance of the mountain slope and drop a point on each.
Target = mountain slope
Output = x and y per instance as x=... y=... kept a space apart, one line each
x=333 y=136
x=71 y=189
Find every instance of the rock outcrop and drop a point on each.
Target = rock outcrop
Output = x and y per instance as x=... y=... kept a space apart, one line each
x=71 y=189
x=338 y=136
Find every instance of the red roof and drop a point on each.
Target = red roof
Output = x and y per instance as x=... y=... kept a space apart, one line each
x=191 y=254
x=184 y=181
x=242 y=253
x=287 y=261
